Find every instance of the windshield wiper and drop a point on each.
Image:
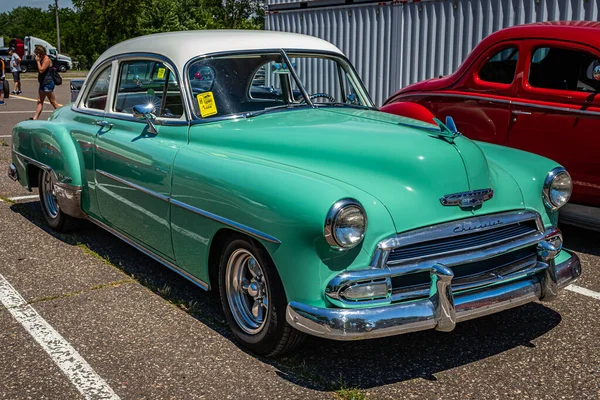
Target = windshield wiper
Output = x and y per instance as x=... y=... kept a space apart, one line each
x=251 y=114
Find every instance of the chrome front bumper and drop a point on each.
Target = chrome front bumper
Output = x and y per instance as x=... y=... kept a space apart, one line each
x=441 y=311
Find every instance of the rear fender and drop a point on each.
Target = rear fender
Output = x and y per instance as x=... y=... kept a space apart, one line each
x=49 y=146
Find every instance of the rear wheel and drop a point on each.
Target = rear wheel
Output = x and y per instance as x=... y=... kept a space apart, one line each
x=55 y=218
x=24 y=68
x=254 y=301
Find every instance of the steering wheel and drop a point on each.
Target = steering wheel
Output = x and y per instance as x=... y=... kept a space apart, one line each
x=320 y=96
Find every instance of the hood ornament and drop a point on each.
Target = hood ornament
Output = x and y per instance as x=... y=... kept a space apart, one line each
x=472 y=198
x=448 y=131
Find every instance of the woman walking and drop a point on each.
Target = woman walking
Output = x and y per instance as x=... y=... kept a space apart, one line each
x=46 y=90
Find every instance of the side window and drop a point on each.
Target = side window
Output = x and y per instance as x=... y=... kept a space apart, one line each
x=501 y=67
x=96 y=97
x=563 y=69
x=144 y=82
x=265 y=84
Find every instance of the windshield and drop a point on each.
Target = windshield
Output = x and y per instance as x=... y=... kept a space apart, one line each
x=250 y=84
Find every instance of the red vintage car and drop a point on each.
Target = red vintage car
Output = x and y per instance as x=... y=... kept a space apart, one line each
x=533 y=87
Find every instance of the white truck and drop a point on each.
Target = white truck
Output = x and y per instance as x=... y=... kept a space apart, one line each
x=25 y=50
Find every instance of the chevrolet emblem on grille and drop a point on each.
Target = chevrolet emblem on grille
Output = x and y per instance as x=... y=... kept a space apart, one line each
x=472 y=198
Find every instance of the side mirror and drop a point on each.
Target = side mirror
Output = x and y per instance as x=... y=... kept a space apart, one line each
x=146 y=112
x=596 y=73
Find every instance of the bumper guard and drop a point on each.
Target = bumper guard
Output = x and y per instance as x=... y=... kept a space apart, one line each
x=440 y=311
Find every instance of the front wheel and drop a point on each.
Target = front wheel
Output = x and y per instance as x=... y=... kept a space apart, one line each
x=55 y=218
x=254 y=301
x=24 y=68
x=62 y=68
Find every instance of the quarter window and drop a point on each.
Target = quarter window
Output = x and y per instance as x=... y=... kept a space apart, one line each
x=563 y=69
x=501 y=67
x=96 y=98
x=148 y=82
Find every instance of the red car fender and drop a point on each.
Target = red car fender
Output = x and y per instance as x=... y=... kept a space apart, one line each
x=410 y=110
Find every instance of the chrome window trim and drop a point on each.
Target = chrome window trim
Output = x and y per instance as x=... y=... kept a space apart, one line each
x=86 y=87
x=115 y=60
x=189 y=98
x=148 y=57
x=151 y=254
x=242 y=228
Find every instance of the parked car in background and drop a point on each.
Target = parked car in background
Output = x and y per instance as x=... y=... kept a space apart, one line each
x=532 y=87
x=233 y=159
x=25 y=48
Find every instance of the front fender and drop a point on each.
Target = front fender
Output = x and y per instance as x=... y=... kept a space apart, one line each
x=286 y=203
x=529 y=171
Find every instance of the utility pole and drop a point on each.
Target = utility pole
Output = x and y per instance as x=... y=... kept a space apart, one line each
x=57 y=27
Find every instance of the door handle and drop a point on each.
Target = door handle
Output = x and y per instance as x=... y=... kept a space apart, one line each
x=103 y=123
x=519 y=112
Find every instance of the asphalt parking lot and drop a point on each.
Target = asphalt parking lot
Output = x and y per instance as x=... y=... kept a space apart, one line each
x=147 y=333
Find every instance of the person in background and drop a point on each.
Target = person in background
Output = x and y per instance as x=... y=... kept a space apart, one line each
x=2 y=77
x=46 y=90
x=15 y=68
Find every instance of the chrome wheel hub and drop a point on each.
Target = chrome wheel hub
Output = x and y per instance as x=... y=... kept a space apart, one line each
x=48 y=196
x=247 y=291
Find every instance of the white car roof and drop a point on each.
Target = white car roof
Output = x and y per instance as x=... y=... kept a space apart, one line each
x=180 y=47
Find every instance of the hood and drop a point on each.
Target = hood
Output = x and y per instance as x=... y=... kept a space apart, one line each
x=407 y=169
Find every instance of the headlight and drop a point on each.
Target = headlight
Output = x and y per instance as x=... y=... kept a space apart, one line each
x=557 y=188
x=345 y=224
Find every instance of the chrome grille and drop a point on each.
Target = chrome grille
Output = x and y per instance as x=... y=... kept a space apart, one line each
x=461 y=243
x=479 y=251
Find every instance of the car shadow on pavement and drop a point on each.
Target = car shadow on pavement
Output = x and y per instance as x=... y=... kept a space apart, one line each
x=581 y=240
x=320 y=364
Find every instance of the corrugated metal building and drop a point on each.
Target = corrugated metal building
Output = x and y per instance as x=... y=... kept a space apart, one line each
x=395 y=43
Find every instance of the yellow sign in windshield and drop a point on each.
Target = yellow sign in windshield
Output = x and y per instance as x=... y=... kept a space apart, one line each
x=206 y=104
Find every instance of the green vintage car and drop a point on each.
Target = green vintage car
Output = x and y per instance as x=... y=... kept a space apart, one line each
x=256 y=164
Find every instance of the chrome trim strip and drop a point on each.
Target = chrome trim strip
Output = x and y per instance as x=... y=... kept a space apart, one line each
x=554 y=108
x=460 y=227
x=151 y=254
x=460 y=96
x=225 y=221
x=501 y=101
x=440 y=311
x=209 y=215
x=133 y=185
x=36 y=163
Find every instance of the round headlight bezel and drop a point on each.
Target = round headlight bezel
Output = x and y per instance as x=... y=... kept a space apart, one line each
x=550 y=179
x=330 y=223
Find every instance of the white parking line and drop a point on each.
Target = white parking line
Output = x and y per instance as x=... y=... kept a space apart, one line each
x=29 y=197
x=584 y=291
x=79 y=372
x=5 y=136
